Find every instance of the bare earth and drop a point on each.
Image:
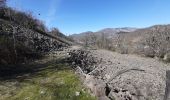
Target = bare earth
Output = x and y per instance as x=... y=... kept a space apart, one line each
x=139 y=78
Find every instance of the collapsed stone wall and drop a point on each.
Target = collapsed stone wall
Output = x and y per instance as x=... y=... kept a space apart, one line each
x=83 y=59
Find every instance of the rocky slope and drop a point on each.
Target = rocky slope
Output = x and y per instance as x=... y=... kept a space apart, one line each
x=25 y=43
x=24 y=38
x=127 y=77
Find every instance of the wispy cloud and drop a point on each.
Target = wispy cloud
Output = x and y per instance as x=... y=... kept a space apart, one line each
x=52 y=11
x=15 y=4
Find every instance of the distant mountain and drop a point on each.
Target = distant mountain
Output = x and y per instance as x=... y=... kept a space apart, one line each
x=116 y=30
x=151 y=41
x=108 y=32
x=79 y=35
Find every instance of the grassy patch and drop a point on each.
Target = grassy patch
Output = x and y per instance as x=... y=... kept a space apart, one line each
x=55 y=82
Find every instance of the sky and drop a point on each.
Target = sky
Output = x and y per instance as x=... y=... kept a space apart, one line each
x=76 y=16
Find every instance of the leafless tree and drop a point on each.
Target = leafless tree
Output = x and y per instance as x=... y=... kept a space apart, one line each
x=2 y=3
x=55 y=31
x=13 y=35
x=121 y=44
x=158 y=42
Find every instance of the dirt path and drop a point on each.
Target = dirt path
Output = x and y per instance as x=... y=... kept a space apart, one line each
x=147 y=82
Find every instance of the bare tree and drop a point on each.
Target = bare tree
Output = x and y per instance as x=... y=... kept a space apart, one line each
x=2 y=3
x=121 y=43
x=14 y=40
x=167 y=89
x=13 y=36
x=158 y=42
x=86 y=39
x=55 y=31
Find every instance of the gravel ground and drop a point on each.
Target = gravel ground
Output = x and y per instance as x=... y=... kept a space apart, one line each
x=133 y=77
x=124 y=76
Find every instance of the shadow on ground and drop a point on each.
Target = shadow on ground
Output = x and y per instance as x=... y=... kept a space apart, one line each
x=9 y=72
x=50 y=80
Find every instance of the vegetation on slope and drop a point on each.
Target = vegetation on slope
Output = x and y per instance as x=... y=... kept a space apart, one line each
x=24 y=38
x=151 y=42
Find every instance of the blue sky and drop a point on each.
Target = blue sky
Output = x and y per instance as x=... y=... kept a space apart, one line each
x=75 y=16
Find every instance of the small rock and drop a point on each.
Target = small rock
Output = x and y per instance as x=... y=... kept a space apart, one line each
x=77 y=93
x=42 y=92
x=167 y=57
x=27 y=98
x=73 y=63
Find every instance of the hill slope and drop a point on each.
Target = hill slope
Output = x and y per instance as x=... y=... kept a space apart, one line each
x=23 y=37
x=108 y=32
x=153 y=41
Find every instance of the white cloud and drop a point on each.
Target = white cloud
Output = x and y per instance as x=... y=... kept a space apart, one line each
x=52 y=11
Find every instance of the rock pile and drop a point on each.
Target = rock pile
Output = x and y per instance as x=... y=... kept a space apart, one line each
x=83 y=59
x=167 y=57
x=22 y=44
x=85 y=64
x=120 y=77
x=39 y=41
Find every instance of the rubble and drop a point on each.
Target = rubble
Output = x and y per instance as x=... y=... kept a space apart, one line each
x=28 y=44
x=83 y=59
x=120 y=77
